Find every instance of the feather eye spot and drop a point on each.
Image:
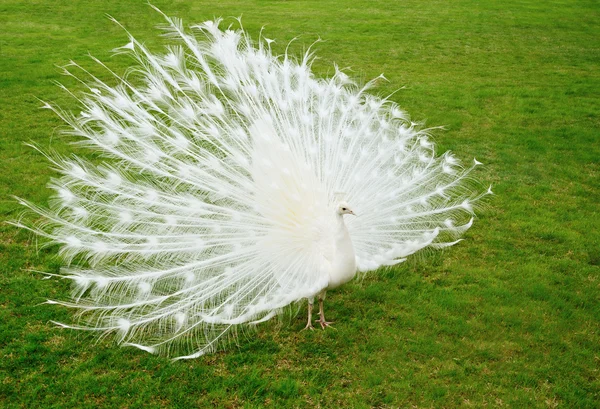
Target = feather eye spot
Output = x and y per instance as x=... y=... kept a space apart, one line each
x=101 y=282
x=113 y=179
x=170 y=220
x=81 y=282
x=125 y=216
x=189 y=277
x=77 y=171
x=144 y=288
x=100 y=247
x=151 y=195
x=180 y=319
x=66 y=195
x=73 y=241
x=124 y=325
x=228 y=310
x=110 y=138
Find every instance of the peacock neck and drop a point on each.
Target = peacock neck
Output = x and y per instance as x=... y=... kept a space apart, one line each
x=341 y=230
x=344 y=264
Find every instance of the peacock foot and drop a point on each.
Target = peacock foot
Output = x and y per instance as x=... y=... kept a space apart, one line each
x=308 y=326
x=325 y=323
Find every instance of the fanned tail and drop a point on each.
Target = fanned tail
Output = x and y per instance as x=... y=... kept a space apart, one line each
x=213 y=206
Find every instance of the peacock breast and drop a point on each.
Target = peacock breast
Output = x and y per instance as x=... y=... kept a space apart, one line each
x=343 y=268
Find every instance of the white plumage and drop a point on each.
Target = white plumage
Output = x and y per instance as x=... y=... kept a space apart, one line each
x=221 y=196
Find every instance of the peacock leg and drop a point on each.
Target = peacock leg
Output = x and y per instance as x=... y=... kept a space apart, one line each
x=322 y=313
x=310 y=308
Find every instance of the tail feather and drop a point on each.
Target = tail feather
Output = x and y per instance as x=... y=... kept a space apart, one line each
x=213 y=205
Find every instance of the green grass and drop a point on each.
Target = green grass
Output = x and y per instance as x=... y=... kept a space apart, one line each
x=508 y=318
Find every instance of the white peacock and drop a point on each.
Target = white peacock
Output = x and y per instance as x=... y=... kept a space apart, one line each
x=216 y=204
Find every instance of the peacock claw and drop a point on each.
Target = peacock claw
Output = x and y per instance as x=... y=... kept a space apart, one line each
x=325 y=323
x=308 y=326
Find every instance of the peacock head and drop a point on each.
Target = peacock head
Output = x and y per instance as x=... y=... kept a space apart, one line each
x=343 y=208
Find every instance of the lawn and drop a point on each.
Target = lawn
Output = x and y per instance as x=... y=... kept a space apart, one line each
x=510 y=317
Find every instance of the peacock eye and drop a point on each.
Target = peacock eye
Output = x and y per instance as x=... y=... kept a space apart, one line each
x=343 y=208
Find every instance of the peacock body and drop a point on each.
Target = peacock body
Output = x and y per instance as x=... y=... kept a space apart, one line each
x=227 y=191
